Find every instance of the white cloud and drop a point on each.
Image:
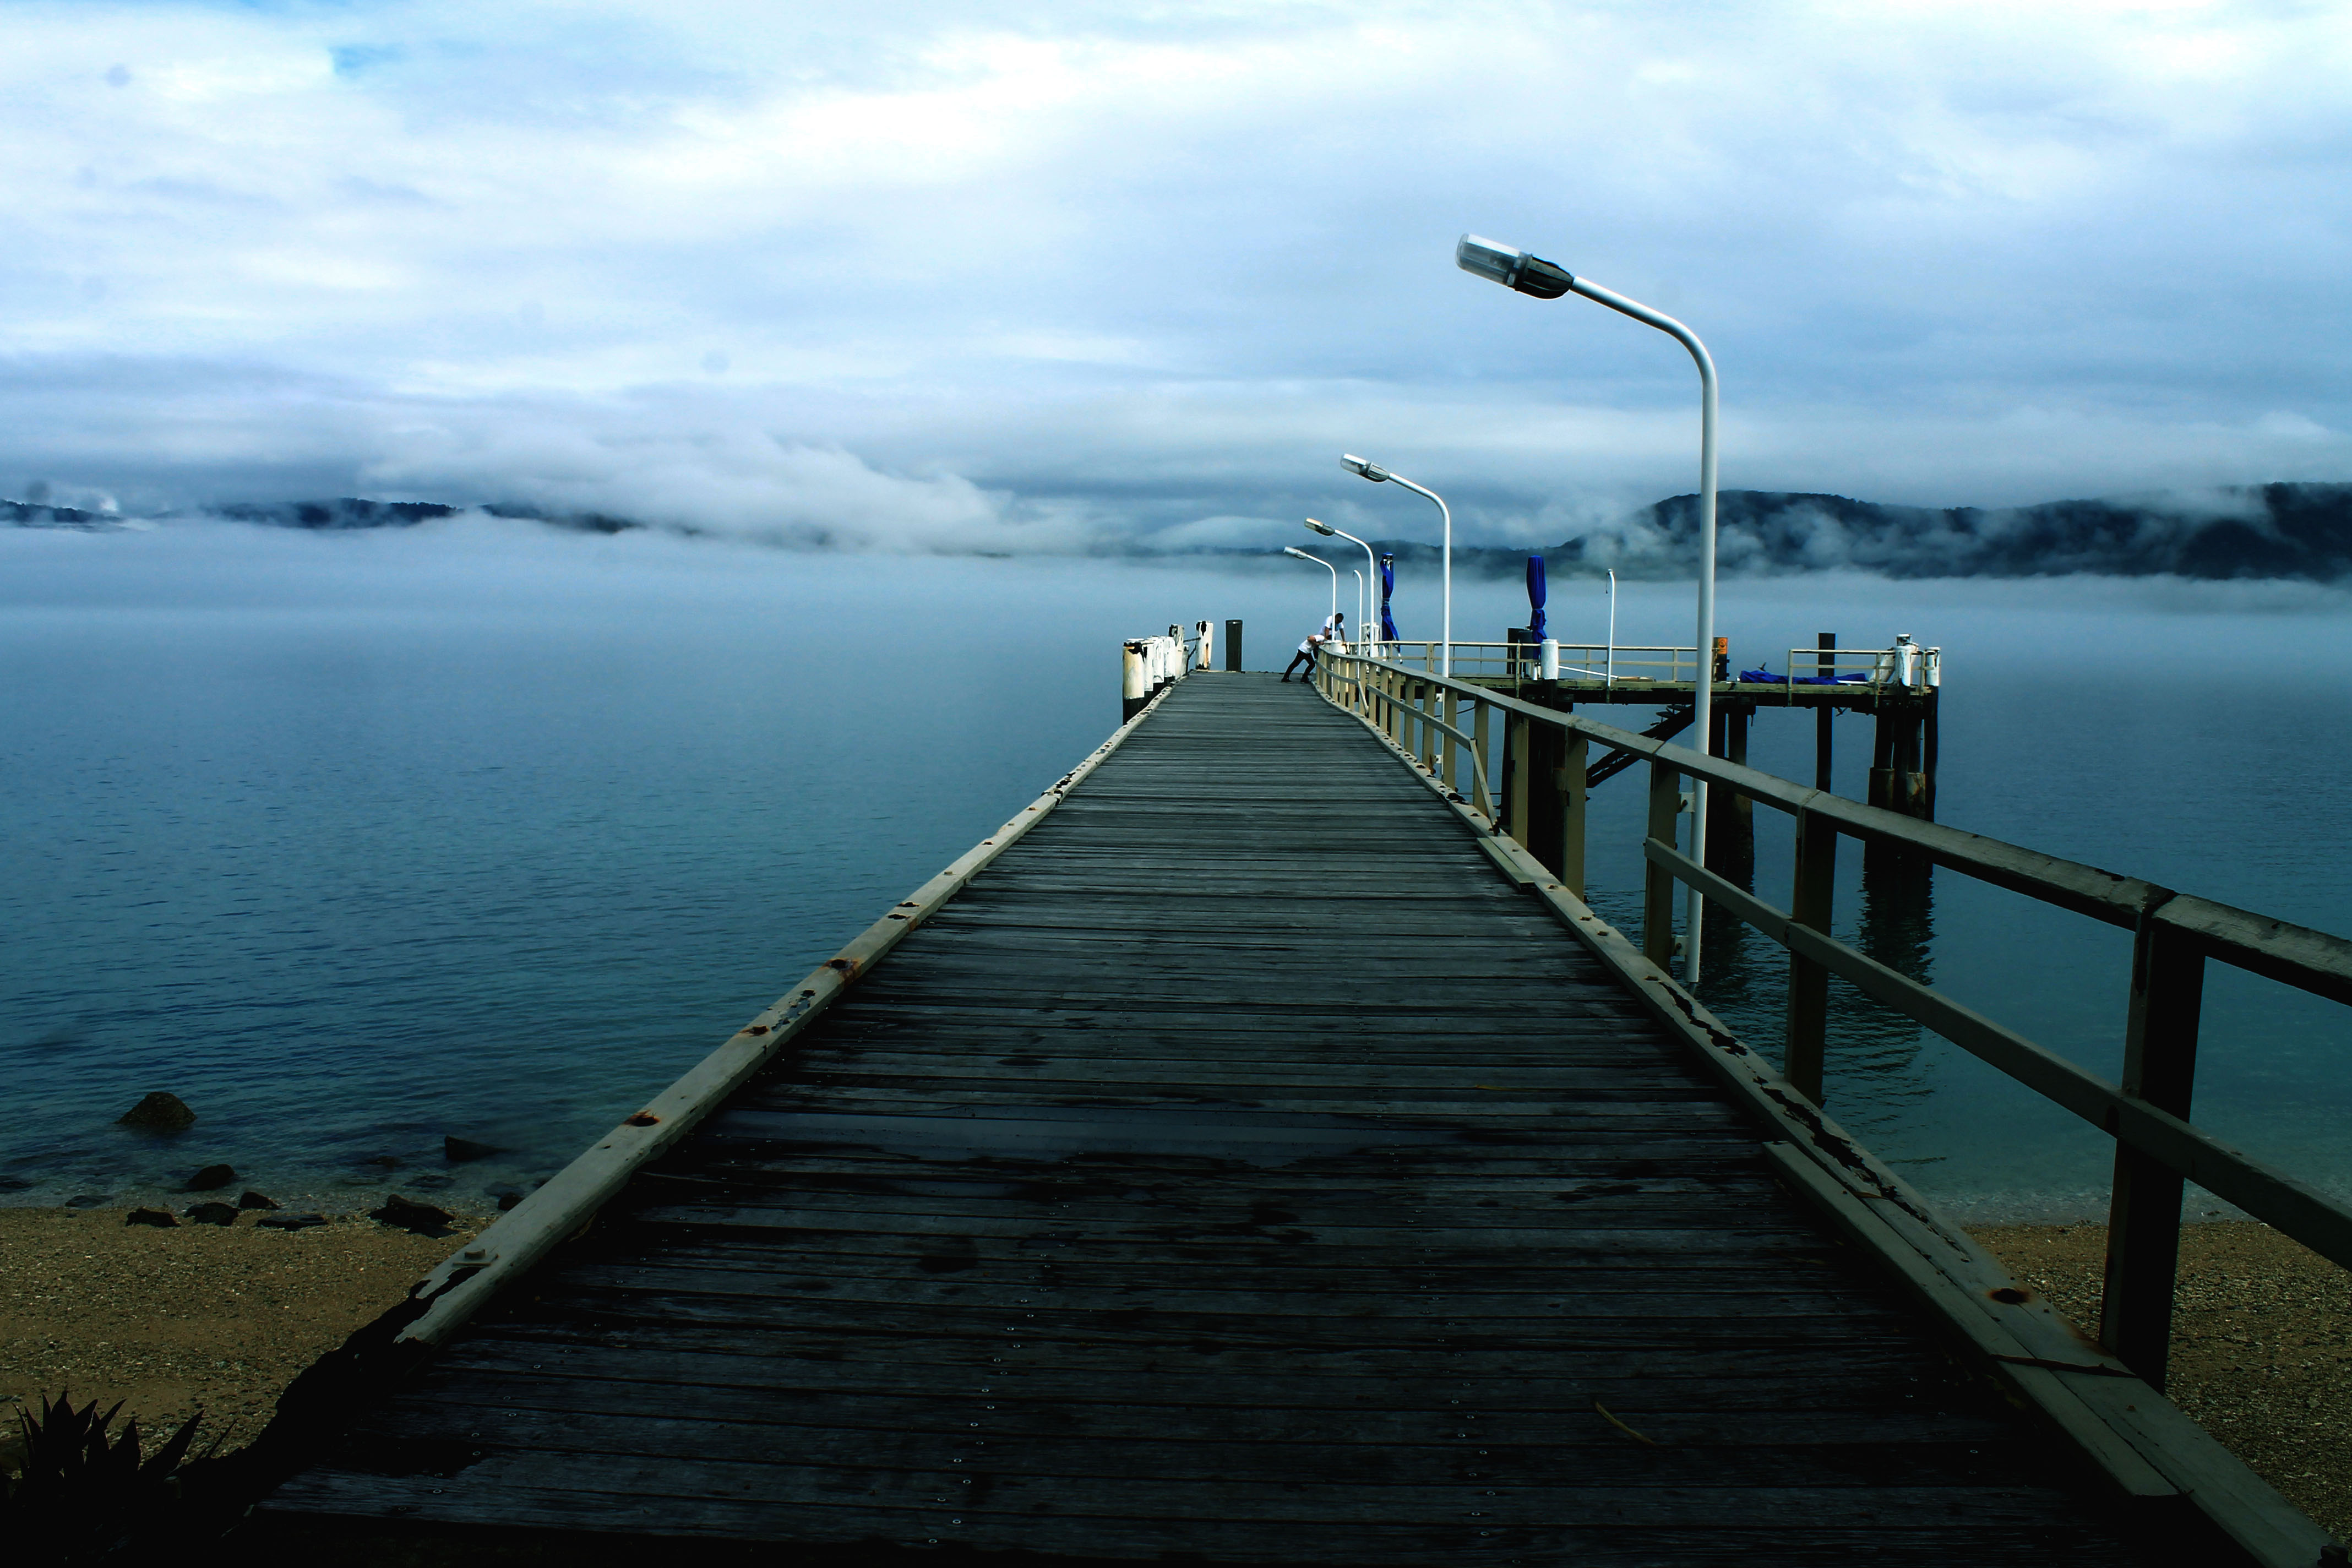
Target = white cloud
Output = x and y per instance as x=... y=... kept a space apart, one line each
x=1029 y=276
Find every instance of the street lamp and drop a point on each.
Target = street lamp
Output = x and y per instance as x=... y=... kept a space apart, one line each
x=1379 y=475
x=1293 y=550
x=1325 y=529
x=1532 y=274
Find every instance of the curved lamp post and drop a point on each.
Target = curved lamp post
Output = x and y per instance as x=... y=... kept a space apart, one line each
x=1532 y=274
x=1379 y=475
x=1362 y=635
x=1293 y=550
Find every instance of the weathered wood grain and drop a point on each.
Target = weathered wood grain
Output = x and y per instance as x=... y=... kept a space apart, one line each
x=1237 y=1168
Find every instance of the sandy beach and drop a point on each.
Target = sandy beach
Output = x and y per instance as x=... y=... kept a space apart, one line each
x=198 y=1316
x=222 y=1318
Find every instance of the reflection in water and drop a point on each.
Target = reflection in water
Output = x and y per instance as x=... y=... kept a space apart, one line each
x=1872 y=1067
x=1875 y=1078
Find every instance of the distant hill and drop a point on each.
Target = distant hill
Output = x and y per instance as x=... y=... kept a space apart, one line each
x=342 y=512
x=2301 y=530
x=2277 y=530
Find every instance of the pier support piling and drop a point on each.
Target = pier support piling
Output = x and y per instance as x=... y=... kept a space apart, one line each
x=1731 y=815
x=1825 y=664
x=1899 y=780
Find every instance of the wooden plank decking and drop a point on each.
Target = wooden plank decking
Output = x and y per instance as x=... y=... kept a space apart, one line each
x=1238 y=1168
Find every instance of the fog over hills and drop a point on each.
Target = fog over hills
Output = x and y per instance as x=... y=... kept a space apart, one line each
x=2300 y=532
x=2292 y=531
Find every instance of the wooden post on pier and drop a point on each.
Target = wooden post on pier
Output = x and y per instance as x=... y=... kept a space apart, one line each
x=1516 y=795
x=1897 y=780
x=1731 y=815
x=1570 y=775
x=1232 y=645
x=2167 y=989
x=1825 y=665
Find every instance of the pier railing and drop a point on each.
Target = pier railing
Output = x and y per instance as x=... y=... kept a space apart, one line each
x=1906 y=665
x=1580 y=661
x=2174 y=935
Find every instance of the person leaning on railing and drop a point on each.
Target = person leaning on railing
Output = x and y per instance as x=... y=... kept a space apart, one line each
x=1335 y=625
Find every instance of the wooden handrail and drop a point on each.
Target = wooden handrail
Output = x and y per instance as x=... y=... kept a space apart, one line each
x=2157 y=1146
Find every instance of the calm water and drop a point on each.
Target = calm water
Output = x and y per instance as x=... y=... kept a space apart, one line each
x=356 y=841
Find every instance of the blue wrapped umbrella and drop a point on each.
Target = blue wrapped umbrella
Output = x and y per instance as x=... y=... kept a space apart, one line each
x=1536 y=598
x=1387 y=587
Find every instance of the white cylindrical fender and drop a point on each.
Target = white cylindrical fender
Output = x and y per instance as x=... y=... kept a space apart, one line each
x=1548 y=662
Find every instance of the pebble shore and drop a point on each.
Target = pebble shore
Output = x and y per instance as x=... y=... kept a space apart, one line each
x=2262 y=1345
x=218 y=1318
x=222 y=1318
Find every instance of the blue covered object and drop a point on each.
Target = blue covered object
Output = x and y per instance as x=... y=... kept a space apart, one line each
x=1766 y=678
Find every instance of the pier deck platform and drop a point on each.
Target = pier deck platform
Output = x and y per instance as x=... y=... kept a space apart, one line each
x=1239 y=1170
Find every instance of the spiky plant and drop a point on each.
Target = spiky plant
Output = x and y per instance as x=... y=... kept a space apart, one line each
x=85 y=1490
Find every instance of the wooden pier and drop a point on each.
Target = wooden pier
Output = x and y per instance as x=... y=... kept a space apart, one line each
x=1249 y=1156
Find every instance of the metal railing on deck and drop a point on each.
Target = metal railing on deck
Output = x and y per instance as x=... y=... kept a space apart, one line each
x=1873 y=668
x=1577 y=661
x=2174 y=936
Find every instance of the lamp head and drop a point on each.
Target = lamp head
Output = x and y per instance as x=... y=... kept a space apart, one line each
x=1325 y=529
x=1293 y=550
x=1355 y=465
x=1519 y=269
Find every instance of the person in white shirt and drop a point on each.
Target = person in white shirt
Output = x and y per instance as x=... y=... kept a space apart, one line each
x=1335 y=626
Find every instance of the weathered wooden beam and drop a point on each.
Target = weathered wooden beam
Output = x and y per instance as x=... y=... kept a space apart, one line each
x=2296 y=1207
x=1516 y=732
x=1570 y=787
x=2167 y=987
x=2053 y=1370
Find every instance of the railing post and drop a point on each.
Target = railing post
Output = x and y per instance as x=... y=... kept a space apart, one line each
x=1424 y=743
x=1481 y=742
x=1813 y=892
x=1572 y=752
x=1516 y=728
x=1448 y=746
x=2167 y=989
x=1657 y=882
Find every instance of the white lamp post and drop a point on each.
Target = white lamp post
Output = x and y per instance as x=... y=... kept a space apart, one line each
x=1379 y=475
x=1362 y=598
x=1293 y=550
x=1532 y=274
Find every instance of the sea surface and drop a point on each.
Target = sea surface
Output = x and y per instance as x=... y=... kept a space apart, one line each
x=357 y=841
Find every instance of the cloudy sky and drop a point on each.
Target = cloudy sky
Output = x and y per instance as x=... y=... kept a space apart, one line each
x=981 y=275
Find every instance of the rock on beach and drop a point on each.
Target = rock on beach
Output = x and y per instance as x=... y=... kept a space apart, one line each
x=159 y=1112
